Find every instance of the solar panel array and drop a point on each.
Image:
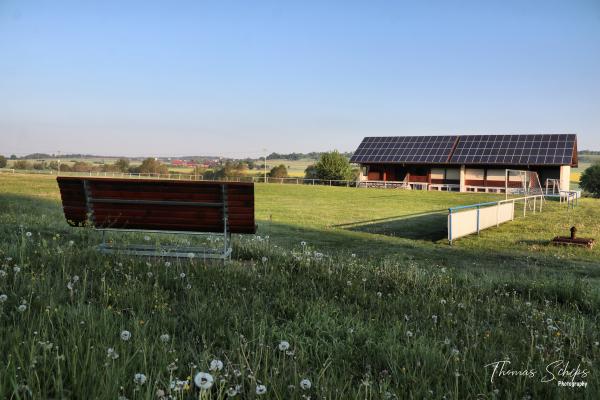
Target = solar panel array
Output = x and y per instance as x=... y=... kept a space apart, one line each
x=514 y=149
x=404 y=149
x=469 y=149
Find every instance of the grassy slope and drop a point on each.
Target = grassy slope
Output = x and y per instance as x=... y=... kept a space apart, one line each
x=350 y=320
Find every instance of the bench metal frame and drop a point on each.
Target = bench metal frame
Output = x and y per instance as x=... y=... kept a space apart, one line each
x=166 y=251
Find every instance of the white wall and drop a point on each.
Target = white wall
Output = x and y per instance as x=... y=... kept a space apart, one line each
x=565 y=177
x=475 y=174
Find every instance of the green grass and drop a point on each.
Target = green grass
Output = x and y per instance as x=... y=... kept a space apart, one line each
x=407 y=317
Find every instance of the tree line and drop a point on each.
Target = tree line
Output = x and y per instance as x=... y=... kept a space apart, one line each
x=330 y=166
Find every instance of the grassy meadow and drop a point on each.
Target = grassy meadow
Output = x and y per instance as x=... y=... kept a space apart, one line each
x=343 y=294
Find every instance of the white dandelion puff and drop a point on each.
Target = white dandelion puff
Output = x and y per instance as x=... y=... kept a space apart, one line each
x=111 y=353
x=3 y=298
x=409 y=334
x=203 y=380
x=305 y=384
x=261 y=389
x=125 y=336
x=165 y=337
x=28 y=234
x=284 y=345
x=139 y=378
x=216 y=365
x=22 y=308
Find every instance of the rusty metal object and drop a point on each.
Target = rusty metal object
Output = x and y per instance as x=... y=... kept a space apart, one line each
x=573 y=240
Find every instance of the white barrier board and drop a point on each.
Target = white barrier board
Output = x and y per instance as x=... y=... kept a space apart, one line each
x=463 y=223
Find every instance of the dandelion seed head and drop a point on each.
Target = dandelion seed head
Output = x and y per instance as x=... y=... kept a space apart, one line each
x=111 y=353
x=3 y=298
x=305 y=384
x=261 y=389
x=216 y=365
x=165 y=337
x=22 y=308
x=203 y=380
x=125 y=336
x=284 y=345
x=139 y=378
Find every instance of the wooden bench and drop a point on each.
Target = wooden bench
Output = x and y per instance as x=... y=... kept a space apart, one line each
x=161 y=206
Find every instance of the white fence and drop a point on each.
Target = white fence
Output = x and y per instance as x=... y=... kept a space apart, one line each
x=466 y=220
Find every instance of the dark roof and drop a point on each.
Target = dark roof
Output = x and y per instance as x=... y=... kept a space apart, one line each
x=469 y=149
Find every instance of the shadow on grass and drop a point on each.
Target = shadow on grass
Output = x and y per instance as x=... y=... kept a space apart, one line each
x=430 y=227
x=368 y=239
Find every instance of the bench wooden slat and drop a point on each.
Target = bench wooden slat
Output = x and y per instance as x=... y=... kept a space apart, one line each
x=158 y=204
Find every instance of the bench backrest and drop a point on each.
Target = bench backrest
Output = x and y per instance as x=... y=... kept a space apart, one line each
x=164 y=205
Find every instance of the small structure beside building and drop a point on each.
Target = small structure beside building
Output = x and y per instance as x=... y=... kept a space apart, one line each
x=464 y=162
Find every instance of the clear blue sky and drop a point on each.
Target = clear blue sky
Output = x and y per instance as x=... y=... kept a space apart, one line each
x=232 y=78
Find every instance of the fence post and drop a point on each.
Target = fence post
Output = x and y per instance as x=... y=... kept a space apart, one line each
x=478 y=207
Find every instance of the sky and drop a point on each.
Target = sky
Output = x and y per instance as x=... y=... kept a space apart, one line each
x=238 y=78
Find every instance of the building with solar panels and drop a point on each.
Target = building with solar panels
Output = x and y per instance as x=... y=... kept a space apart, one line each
x=464 y=162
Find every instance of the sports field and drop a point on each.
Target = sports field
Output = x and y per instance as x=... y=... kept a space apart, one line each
x=360 y=283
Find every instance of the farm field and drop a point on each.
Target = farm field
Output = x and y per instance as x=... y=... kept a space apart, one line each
x=360 y=282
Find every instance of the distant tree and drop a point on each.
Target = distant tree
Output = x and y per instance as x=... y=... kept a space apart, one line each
x=152 y=166
x=279 y=171
x=3 y=162
x=13 y=157
x=590 y=180
x=21 y=164
x=39 y=165
x=81 y=166
x=333 y=166
x=54 y=165
x=122 y=165
x=311 y=172
x=199 y=170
